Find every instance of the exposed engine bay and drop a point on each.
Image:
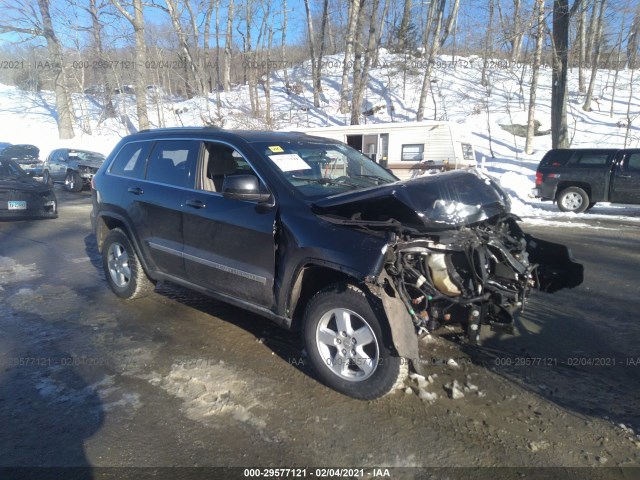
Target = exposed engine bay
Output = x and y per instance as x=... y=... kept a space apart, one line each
x=455 y=254
x=476 y=275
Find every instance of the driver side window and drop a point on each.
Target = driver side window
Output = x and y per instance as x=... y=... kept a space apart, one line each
x=219 y=162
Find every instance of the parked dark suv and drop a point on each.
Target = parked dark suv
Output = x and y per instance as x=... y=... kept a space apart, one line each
x=576 y=179
x=316 y=236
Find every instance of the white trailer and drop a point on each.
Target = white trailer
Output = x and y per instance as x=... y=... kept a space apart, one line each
x=408 y=149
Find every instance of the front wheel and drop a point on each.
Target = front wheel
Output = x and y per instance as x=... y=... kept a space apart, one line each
x=122 y=267
x=46 y=178
x=573 y=199
x=73 y=182
x=347 y=346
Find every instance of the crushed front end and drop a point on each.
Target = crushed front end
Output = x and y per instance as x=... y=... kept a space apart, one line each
x=481 y=274
x=455 y=254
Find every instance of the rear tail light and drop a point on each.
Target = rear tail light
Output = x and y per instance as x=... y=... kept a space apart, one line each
x=538 y=179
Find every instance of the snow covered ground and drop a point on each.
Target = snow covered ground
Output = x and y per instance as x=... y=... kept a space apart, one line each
x=394 y=87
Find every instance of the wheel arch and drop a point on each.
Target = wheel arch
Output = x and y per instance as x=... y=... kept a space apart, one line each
x=564 y=185
x=312 y=278
x=106 y=223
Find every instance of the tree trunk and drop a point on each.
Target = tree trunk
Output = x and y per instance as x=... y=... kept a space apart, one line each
x=137 y=22
x=591 y=32
x=357 y=65
x=191 y=69
x=354 y=10
x=140 y=82
x=315 y=75
x=560 y=38
x=436 y=43
x=283 y=47
x=63 y=101
x=226 y=77
x=596 y=55
x=582 y=53
x=358 y=97
x=404 y=25
x=323 y=39
x=634 y=40
x=518 y=34
x=107 y=95
x=537 y=58
x=488 y=47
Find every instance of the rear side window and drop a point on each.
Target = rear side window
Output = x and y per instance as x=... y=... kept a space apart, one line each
x=590 y=159
x=131 y=160
x=556 y=158
x=173 y=162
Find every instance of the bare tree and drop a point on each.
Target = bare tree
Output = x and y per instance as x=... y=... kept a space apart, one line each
x=582 y=48
x=360 y=86
x=354 y=10
x=358 y=52
x=591 y=29
x=560 y=39
x=404 y=25
x=537 y=59
x=226 y=77
x=435 y=15
x=634 y=39
x=488 y=44
x=596 y=54
x=137 y=22
x=25 y=19
x=315 y=74
x=283 y=45
x=186 y=54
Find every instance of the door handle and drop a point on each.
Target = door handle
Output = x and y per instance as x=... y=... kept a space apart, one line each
x=195 y=203
x=135 y=190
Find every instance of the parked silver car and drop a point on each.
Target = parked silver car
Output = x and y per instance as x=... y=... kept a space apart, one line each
x=74 y=167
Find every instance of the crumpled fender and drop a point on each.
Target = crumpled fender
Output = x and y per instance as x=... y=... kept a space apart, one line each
x=403 y=332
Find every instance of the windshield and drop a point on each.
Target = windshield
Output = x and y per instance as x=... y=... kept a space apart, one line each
x=321 y=169
x=85 y=156
x=10 y=169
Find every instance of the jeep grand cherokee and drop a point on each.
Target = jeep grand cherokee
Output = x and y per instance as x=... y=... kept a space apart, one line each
x=314 y=235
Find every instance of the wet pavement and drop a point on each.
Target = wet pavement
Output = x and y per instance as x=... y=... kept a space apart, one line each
x=178 y=379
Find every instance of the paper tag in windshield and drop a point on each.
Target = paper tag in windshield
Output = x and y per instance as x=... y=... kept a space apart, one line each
x=289 y=162
x=276 y=149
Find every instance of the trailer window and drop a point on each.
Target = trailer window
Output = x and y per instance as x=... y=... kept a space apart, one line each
x=412 y=152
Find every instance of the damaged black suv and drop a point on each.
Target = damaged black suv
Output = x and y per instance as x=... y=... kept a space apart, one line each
x=317 y=237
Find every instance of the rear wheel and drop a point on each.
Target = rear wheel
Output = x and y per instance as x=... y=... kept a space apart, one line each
x=573 y=199
x=347 y=347
x=46 y=178
x=73 y=181
x=122 y=267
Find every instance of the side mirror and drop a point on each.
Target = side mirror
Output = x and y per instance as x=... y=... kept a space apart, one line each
x=244 y=187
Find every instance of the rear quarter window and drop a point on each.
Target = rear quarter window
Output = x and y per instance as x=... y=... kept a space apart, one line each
x=131 y=159
x=590 y=159
x=556 y=158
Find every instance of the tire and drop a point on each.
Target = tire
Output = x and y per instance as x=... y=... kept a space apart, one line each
x=46 y=178
x=122 y=268
x=73 y=182
x=342 y=315
x=573 y=199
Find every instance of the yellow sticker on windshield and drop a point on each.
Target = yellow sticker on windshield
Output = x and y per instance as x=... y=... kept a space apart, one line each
x=276 y=149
